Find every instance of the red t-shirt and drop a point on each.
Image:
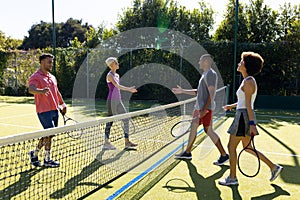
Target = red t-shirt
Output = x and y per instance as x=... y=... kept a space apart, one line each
x=49 y=101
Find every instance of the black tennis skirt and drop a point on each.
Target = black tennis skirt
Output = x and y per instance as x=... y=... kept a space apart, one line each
x=240 y=125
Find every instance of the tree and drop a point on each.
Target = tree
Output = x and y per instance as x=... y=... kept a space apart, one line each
x=225 y=32
x=7 y=43
x=262 y=22
x=289 y=18
x=7 y=47
x=71 y=29
x=165 y=14
x=259 y=23
x=201 y=22
x=40 y=35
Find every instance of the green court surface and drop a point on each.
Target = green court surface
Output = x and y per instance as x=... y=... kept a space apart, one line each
x=198 y=178
x=18 y=114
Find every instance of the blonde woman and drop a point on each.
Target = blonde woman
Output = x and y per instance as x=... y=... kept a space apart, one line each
x=114 y=102
x=244 y=123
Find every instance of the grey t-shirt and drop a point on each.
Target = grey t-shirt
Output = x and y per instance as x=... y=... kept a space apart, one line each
x=208 y=78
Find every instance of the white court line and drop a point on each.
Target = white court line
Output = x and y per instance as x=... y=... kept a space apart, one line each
x=264 y=120
x=19 y=126
x=15 y=116
x=277 y=116
x=281 y=154
x=212 y=146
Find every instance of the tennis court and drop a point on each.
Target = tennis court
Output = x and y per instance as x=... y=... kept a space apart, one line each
x=198 y=179
x=150 y=175
x=85 y=166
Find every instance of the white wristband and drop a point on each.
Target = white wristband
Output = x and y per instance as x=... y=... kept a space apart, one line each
x=64 y=105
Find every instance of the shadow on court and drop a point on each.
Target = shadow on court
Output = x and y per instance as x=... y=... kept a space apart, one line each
x=235 y=192
x=75 y=181
x=289 y=174
x=278 y=192
x=271 y=118
x=205 y=188
x=21 y=185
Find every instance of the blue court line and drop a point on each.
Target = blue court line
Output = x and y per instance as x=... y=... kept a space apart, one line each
x=147 y=171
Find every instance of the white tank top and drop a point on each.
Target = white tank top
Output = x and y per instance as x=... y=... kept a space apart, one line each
x=241 y=103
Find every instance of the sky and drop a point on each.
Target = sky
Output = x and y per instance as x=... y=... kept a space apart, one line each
x=17 y=16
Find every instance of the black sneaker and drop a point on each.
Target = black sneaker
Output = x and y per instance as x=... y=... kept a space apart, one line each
x=184 y=155
x=222 y=160
x=51 y=163
x=34 y=160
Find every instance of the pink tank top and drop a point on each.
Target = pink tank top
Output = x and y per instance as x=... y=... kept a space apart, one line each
x=114 y=92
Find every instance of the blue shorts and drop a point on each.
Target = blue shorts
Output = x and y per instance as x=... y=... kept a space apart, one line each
x=49 y=119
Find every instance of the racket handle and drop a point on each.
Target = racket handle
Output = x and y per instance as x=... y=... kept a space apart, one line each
x=60 y=110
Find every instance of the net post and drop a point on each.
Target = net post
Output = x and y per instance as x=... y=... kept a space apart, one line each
x=87 y=74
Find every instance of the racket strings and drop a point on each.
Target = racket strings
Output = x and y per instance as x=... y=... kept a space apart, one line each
x=248 y=160
x=180 y=128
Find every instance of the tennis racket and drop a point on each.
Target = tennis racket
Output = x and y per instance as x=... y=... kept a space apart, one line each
x=74 y=134
x=249 y=165
x=181 y=128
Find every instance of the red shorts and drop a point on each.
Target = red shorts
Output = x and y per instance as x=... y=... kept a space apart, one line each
x=206 y=120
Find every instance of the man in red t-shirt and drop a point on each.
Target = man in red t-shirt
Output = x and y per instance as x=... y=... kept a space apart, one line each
x=43 y=85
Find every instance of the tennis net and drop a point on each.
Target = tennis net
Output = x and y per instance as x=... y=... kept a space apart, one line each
x=85 y=166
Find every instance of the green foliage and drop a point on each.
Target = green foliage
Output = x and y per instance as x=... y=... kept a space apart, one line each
x=225 y=32
x=280 y=75
x=273 y=34
x=166 y=14
x=3 y=61
x=262 y=22
x=40 y=35
x=66 y=69
x=94 y=36
x=289 y=19
x=259 y=23
x=7 y=45
x=18 y=68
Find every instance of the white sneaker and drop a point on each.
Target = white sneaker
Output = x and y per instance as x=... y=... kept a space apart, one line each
x=228 y=181
x=275 y=172
x=108 y=146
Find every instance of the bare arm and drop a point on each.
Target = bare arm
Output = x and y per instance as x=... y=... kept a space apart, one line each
x=179 y=90
x=121 y=87
x=230 y=106
x=249 y=88
x=34 y=90
x=61 y=102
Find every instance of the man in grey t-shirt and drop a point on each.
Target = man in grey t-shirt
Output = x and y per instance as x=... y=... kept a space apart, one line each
x=204 y=107
x=209 y=79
